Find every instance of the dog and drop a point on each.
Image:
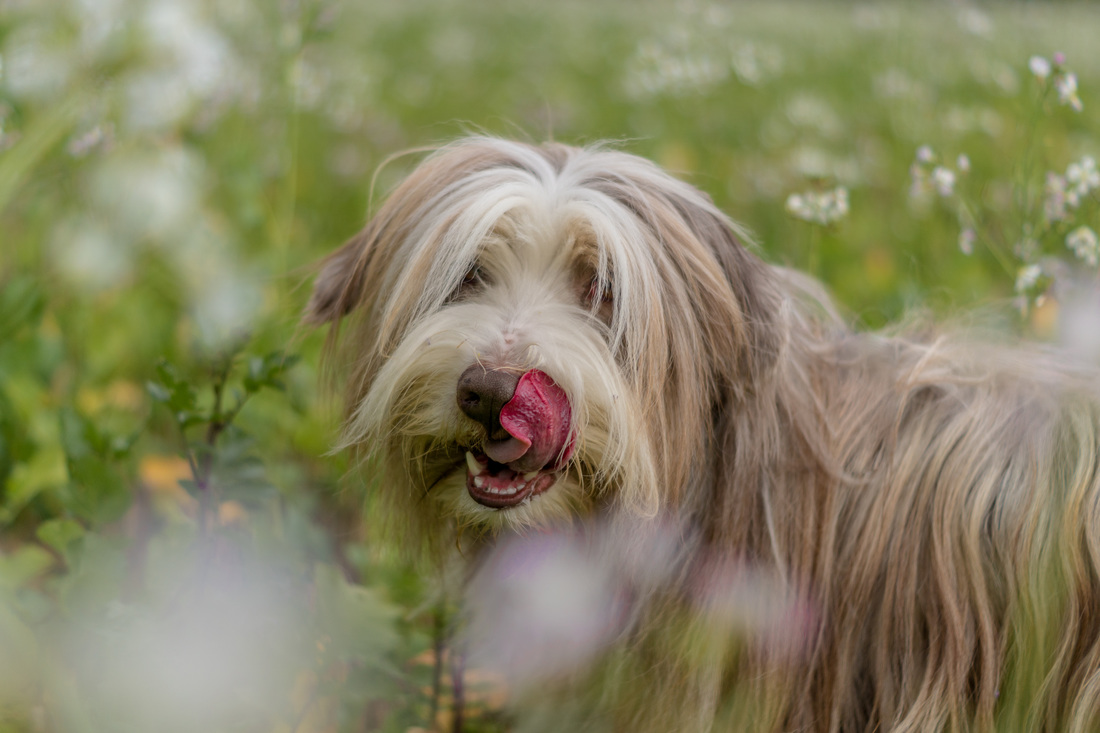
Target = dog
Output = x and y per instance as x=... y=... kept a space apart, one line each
x=543 y=339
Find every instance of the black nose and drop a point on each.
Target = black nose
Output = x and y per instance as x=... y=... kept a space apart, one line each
x=481 y=394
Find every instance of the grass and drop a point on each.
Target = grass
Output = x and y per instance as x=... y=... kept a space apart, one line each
x=169 y=170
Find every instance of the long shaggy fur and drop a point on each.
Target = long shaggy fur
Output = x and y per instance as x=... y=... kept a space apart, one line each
x=936 y=501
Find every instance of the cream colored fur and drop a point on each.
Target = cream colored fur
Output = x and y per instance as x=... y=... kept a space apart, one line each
x=936 y=501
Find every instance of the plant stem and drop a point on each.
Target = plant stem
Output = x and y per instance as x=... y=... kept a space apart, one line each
x=459 y=687
x=439 y=646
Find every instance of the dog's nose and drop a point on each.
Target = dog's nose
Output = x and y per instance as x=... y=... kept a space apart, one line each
x=481 y=394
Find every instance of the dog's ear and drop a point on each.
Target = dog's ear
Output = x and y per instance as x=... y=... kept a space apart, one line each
x=339 y=284
x=739 y=300
x=753 y=283
x=354 y=274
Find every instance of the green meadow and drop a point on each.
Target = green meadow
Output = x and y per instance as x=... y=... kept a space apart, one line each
x=179 y=551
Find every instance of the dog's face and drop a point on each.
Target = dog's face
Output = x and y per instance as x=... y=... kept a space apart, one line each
x=541 y=332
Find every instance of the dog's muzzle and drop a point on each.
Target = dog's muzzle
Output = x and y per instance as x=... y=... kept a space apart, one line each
x=527 y=423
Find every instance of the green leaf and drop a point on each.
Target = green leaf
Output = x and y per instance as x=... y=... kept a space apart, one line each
x=44 y=472
x=267 y=371
x=79 y=437
x=23 y=565
x=59 y=534
x=186 y=419
x=359 y=621
x=97 y=492
x=158 y=391
x=253 y=379
x=172 y=390
x=120 y=446
x=22 y=304
x=237 y=472
x=15 y=446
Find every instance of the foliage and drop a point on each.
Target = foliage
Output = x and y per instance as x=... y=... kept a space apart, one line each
x=177 y=551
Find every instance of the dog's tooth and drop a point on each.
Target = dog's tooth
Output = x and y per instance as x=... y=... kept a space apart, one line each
x=479 y=482
x=530 y=475
x=476 y=469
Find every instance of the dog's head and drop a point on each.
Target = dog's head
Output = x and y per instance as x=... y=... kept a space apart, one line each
x=541 y=332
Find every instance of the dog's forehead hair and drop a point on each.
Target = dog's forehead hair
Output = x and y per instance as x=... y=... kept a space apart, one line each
x=433 y=225
x=672 y=263
x=536 y=240
x=555 y=209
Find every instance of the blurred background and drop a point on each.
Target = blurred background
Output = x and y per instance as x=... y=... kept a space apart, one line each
x=177 y=550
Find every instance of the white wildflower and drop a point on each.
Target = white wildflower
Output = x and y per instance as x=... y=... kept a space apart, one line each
x=963 y=163
x=975 y=22
x=1039 y=66
x=1083 y=176
x=225 y=305
x=894 y=83
x=796 y=206
x=91 y=256
x=1027 y=277
x=1089 y=171
x=943 y=179
x=966 y=241
x=1085 y=246
x=808 y=111
x=925 y=154
x=675 y=64
x=1066 y=85
x=1074 y=173
x=823 y=207
x=1064 y=193
x=840 y=202
x=754 y=64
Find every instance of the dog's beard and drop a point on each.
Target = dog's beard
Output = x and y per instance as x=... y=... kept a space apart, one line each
x=411 y=417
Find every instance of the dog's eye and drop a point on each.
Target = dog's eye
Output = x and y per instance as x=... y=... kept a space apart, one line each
x=472 y=280
x=472 y=277
x=600 y=292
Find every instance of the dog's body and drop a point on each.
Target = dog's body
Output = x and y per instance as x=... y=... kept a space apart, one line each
x=547 y=334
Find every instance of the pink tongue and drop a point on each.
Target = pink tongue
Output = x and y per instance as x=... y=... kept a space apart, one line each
x=537 y=417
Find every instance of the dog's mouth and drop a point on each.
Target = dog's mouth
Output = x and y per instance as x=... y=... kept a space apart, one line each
x=537 y=420
x=498 y=485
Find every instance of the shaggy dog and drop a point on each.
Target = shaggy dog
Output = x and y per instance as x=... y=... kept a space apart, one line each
x=545 y=337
